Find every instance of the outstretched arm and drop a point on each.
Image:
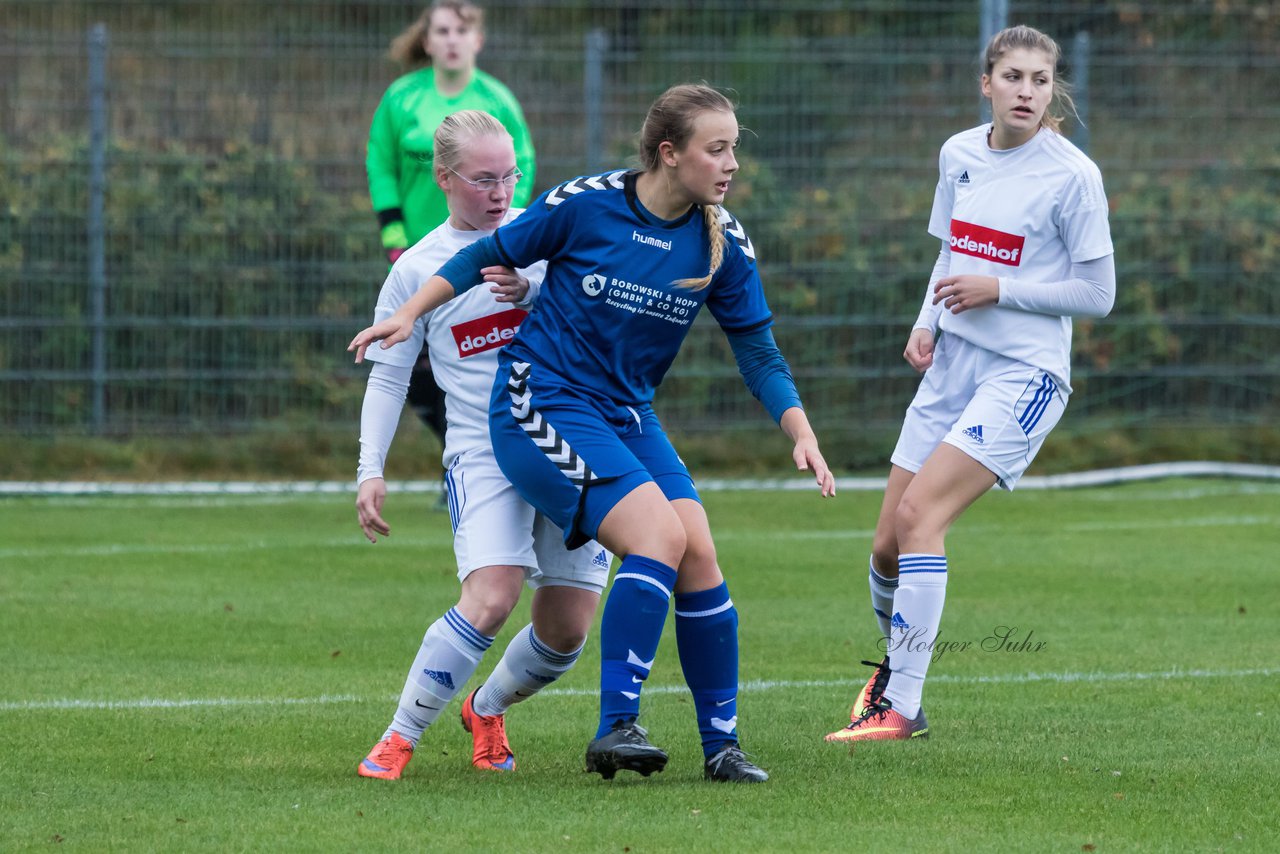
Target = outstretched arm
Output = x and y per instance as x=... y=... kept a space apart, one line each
x=398 y=327
x=469 y=265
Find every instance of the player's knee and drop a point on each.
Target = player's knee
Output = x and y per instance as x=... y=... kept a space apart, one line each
x=563 y=638
x=487 y=609
x=673 y=543
x=699 y=557
x=661 y=542
x=909 y=520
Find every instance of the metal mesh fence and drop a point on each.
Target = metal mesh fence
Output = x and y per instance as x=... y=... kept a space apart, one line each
x=235 y=251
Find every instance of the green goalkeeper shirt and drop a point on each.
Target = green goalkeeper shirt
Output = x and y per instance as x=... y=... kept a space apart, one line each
x=399 y=161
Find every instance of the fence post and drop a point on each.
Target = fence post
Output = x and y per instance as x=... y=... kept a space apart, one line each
x=597 y=45
x=1080 y=58
x=993 y=16
x=95 y=226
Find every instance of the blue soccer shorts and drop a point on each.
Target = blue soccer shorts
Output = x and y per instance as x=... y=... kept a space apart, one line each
x=575 y=456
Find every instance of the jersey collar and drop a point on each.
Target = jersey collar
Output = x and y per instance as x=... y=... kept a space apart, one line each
x=648 y=218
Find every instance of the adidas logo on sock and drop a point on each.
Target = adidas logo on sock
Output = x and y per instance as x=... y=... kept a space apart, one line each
x=974 y=433
x=600 y=561
x=444 y=677
x=964 y=177
x=898 y=623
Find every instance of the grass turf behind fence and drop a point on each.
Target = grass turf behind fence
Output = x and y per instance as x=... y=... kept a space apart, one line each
x=205 y=674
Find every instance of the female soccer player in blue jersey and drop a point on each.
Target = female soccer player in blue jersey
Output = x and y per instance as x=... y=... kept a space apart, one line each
x=632 y=256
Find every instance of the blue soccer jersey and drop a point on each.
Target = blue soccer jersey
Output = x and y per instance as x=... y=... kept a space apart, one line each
x=610 y=316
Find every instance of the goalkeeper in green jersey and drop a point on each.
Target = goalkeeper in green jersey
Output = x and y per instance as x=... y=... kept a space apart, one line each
x=441 y=47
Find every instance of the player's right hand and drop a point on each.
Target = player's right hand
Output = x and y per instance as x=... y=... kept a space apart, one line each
x=919 y=352
x=369 y=500
x=390 y=332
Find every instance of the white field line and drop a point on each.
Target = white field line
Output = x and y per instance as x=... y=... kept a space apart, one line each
x=750 y=687
x=728 y=535
x=115 y=549
x=1100 y=477
x=177 y=498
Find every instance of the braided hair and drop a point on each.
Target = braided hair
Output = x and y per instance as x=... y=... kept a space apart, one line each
x=670 y=119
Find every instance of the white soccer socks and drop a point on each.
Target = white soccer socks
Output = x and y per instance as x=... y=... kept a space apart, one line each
x=917 y=612
x=528 y=665
x=450 y=652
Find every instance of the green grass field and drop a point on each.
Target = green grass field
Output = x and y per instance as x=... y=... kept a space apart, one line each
x=205 y=673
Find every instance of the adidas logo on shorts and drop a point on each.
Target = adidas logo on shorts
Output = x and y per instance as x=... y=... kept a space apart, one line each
x=600 y=561
x=974 y=433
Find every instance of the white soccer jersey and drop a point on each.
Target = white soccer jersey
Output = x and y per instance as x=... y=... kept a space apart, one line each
x=1026 y=213
x=464 y=335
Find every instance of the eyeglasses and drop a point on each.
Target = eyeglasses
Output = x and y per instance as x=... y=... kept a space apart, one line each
x=488 y=185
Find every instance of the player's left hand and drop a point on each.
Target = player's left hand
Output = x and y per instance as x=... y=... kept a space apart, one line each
x=808 y=458
x=961 y=293
x=506 y=284
x=369 y=498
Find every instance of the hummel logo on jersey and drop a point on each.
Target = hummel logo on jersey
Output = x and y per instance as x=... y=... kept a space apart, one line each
x=974 y=433
x=964 y=177
x=593 y=284
x=650 y=241
x=444 y=677
x=898 y=622
x=600 y=561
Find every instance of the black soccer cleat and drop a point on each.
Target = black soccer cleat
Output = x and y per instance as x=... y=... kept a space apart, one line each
x=624 y=748
x=731 y=765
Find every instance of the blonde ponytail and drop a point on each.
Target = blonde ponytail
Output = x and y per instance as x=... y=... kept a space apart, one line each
x=715 y=232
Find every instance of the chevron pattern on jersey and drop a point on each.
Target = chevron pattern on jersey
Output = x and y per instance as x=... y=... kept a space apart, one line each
x=572 y=188
x=540 y=430
x=739 y=234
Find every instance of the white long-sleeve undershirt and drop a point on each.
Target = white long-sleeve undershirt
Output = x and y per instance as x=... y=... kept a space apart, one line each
x=379 y=416
x=1090 y=292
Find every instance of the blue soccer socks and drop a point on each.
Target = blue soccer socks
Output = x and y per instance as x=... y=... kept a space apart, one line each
x=634 y=614
x=707 y=637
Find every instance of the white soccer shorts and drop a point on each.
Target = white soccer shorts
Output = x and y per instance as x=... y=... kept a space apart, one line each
x=494 y=526
x=995 y=409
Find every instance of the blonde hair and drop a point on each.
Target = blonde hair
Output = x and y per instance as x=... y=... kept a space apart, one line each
x=1022 y=37
x=407 y=50
x=457 y=131
x=670 y=119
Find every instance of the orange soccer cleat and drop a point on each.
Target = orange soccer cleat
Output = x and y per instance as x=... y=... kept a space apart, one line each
x=387 y=759
x=880 y=722
x=489 y=735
